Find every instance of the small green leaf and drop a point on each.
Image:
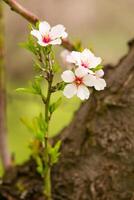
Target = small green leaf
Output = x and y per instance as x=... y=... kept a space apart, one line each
x=57 y=146
x=40 y=168
x=40 y=127
x=58 y=87
x=37 y=126
x=55 y=105
x=26 y=90
x=78 y=46
x=54 y=153
x=37 y=66
x=30 y=45
x=97 y=68
x=34 y=87
x=56 y=67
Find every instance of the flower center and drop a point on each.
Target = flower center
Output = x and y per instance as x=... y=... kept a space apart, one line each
x=46 y=39
x=78 y=80
x=85 y=65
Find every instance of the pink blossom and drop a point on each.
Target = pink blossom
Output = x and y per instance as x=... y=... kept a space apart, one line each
x=47 y=35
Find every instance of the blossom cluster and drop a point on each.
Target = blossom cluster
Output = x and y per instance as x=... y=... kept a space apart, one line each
x=85 y=70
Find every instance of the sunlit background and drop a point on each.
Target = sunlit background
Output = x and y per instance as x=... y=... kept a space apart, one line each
x=103 y=25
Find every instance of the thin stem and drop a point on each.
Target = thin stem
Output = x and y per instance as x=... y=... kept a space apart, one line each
x=47 y=118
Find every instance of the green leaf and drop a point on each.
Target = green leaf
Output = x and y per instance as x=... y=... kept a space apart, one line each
x=78 y=46
x=37 y=66
x=58 y=87
x=26 y=90
x=55 y=105
x=30 y=45
x=57 y=146
x=97 y=68
x=40 y=127
x=37 y=126
x=34 y=87
x=54 y=152
x=37 y=24
x=56 y=67
x=40 y=168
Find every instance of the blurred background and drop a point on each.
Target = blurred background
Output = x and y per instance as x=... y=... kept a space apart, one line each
x=103 y=25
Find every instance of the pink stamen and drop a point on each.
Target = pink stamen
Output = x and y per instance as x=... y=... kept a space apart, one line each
x=78 y=80
x=46 y=39
x=84 y=65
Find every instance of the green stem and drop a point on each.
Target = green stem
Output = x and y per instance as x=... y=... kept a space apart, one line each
x=47 y=159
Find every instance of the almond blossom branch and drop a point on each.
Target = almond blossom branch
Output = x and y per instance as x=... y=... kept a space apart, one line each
x=32 y=18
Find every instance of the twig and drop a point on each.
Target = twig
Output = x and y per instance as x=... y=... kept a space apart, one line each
x=32 y=18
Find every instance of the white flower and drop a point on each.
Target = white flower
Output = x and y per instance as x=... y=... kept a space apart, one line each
x=97 y=81
x=77 y=83
x=49 y=36
x=85 y=59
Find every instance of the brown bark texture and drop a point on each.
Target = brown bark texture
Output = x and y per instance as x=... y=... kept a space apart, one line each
x=3 y=131
x=97 y=154
x=97 y=159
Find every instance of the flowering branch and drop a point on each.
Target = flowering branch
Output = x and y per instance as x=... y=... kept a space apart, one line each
x=86 y=73
x=32 y=18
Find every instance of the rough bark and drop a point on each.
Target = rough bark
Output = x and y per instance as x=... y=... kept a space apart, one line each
x=3 y=131
x=97 y=161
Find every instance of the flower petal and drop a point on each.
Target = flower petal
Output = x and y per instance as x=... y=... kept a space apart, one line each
x=99 y=73
x=68 y=76
x=70 y=90
x=100 y=84
x=56 y=42
x=41 y=43
x=83 y=92
x=89 y=80
x=74 y=57
x=81 y=72
x=88 y=58
x=95 y=62
x=86 y=54
x=44 y=28
x=36 y=34
x=58 y=31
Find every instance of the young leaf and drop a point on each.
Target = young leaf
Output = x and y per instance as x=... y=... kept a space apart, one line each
x=30 y=45
x=40 y=127
x=97 y=68
x=37 y=126
x=58 y=87
x=40 y=168
x=34 y=87
x=55 y=105
x=54 y=153
x=26 y=90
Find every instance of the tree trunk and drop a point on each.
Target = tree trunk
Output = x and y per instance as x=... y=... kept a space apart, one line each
x=97 y=159
x=3 y=131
